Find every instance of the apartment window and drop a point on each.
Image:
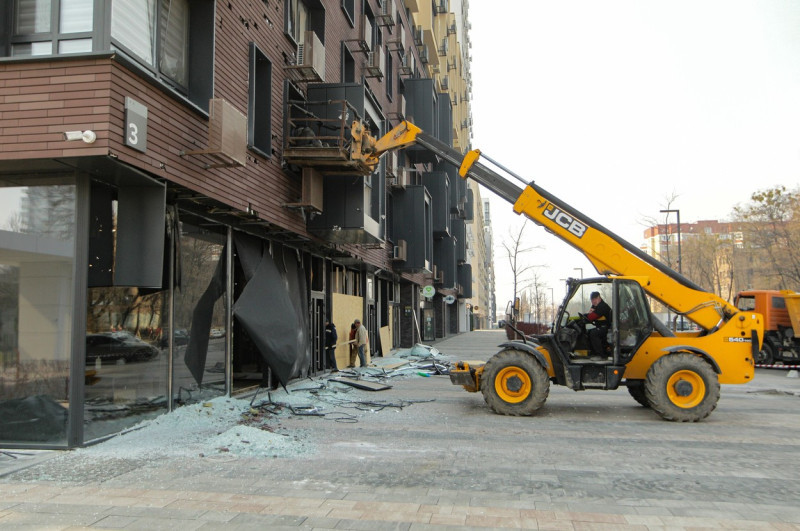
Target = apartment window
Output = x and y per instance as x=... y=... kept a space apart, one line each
x=296 y=19
x=348 y=66
x=389 y=76
x=349 y=7
x=48 y=27
x=302 y=16
x=158 y=34
x=259 y=109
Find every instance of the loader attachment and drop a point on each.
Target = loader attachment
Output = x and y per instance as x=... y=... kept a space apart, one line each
x=466 y=376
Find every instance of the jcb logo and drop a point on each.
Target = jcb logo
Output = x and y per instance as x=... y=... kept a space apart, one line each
x=563 y=219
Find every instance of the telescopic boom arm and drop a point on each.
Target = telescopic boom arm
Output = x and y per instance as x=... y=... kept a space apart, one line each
x=610 y=254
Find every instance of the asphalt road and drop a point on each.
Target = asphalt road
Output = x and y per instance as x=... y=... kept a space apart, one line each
x=588 y=460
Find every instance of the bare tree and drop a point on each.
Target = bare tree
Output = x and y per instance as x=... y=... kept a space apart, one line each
x=515 y=249
x=770 y=224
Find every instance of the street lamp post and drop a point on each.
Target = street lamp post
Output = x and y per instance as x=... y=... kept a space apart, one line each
x=552 y=305
x=680 y=258
x=579 y=269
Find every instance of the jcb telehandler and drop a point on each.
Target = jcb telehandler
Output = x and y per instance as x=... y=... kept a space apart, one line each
x=678 y=375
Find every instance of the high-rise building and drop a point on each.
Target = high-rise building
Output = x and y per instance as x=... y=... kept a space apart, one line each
x=182 y=215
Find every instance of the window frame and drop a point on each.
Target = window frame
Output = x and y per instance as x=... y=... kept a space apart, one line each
x=9 y=38
x=259 y=108
x=199 y=87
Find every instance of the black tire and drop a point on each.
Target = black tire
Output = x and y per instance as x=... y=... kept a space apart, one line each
x=682 y=387
x=766 y=356
x=636 y=390
x=514 y=383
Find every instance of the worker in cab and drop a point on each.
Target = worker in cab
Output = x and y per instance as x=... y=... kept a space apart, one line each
x=600 y=316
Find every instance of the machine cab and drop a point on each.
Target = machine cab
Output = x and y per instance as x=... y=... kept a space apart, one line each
x=581 y=340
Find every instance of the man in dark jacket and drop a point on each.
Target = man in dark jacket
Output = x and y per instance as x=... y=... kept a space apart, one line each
x=331 y=337
x=600 y=317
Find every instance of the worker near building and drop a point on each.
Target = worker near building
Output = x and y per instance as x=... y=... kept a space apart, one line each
x=330 y=345
x=600 y=316
x=362 y=342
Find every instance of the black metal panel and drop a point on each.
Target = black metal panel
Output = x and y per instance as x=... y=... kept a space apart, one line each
x=465 y=280
x=412 y=223
x=421 y=110
x=444 y=257
x=458 y=188
x=458 y=229
x=353 y=93
x=343 y=219
x=140 y=236
x=444 y=113
x=438 y=185
x=469 y=206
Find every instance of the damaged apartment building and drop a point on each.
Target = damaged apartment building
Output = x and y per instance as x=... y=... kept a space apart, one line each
x=179 y=216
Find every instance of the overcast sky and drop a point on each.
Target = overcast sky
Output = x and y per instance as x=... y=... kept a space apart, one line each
x=614 y=106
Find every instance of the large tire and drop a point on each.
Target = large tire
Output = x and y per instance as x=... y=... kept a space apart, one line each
x=514 y=383
x=682 y=387
x=766 y=356
x=636 y=390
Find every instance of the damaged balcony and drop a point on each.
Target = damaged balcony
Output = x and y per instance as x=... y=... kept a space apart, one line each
x=321 y=146
x=322 y=141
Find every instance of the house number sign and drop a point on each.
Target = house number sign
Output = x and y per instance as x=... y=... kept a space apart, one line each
x=135 y=125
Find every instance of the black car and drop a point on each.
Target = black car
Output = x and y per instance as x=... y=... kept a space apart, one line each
x=113 y=346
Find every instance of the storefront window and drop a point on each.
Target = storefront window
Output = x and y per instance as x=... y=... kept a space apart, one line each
x=37 y=242
x=200 y=325
x=126 y=359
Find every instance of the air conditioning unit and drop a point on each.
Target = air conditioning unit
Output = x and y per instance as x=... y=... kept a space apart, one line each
x=442 y=6
x=418 y=35
x=405 y=68
x=227 y=134
x=423 y=54
x=445 y=47
x=391 y=165
x=312 y=189
x=365 y=34
x=438 y=275
x=401 y=178
x=375 y=64
x=310 y=58
x=399 y=252
x=385 y=16
x=397 y=43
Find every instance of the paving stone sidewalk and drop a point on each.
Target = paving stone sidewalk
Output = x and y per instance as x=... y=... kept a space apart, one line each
x=590 y=460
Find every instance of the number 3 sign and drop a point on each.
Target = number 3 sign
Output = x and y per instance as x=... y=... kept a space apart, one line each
x=135 y=125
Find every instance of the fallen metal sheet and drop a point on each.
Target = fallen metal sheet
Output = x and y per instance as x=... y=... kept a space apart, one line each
x=362 y=384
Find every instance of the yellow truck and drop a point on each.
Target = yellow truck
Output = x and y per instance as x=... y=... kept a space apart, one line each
x=678 y=375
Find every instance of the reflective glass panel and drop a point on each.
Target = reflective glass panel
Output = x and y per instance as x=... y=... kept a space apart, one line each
x=75 y=46
x=32 y=16
x=75 y=16
x=37 y=230
x=126 y=359
x=133 y=26
x=32 y=48
x=200 y=331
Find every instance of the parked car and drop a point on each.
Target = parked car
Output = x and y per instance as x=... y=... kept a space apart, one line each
x=181 y=337
x=113 y=346
x=217 y=333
